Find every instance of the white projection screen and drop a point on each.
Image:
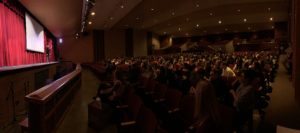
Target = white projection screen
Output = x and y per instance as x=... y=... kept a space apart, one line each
x=34 y=35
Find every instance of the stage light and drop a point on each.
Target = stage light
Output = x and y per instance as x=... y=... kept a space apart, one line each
x=60 y=40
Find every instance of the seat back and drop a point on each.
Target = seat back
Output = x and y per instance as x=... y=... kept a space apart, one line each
x=160 y=90
x=187 y=107
x=134 y=103
x=173 y=98
x=146 y=121
x=151 y=84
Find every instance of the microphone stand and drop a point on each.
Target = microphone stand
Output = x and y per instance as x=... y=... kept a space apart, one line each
x=11 y=93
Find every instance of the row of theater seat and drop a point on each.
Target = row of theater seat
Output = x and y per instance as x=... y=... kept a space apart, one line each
x=174 y=109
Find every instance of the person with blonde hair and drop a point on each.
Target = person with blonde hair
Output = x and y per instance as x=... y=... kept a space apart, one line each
x=206 y=114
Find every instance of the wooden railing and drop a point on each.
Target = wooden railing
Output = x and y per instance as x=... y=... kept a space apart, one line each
x=48 y=104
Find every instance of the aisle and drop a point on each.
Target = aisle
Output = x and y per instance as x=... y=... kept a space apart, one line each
x=283 y=109
x=76 y=120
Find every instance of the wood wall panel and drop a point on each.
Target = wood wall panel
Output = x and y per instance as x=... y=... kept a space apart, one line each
x=17 y=85
x=295 y=41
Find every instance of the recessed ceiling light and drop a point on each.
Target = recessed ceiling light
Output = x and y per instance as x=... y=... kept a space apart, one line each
x=271 y=18
x=197 y=25
x=93 y=13
x=152 y=9
x=179 y=29
x=245 y=20
x=238 y=10
x=122 y=6
x=90 y=22
x=210 y=14
x=220 y=22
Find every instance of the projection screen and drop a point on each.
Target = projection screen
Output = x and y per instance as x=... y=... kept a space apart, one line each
x=34 y=35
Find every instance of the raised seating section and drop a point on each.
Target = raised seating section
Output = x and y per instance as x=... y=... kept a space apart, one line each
x=171 y=106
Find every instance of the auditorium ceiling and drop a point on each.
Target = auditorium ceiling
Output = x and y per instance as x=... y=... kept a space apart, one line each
x=172 y=17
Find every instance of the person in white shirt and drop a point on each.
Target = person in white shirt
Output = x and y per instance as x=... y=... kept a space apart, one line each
x=228 y=71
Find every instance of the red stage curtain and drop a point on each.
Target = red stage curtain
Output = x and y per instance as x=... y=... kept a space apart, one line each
x=13 y=40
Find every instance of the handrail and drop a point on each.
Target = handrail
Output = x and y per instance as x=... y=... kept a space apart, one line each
x=43 y=94
x=48 y=104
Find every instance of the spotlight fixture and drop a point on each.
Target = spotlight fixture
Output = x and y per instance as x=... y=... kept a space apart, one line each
x=86 y=11
x=60 y=40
